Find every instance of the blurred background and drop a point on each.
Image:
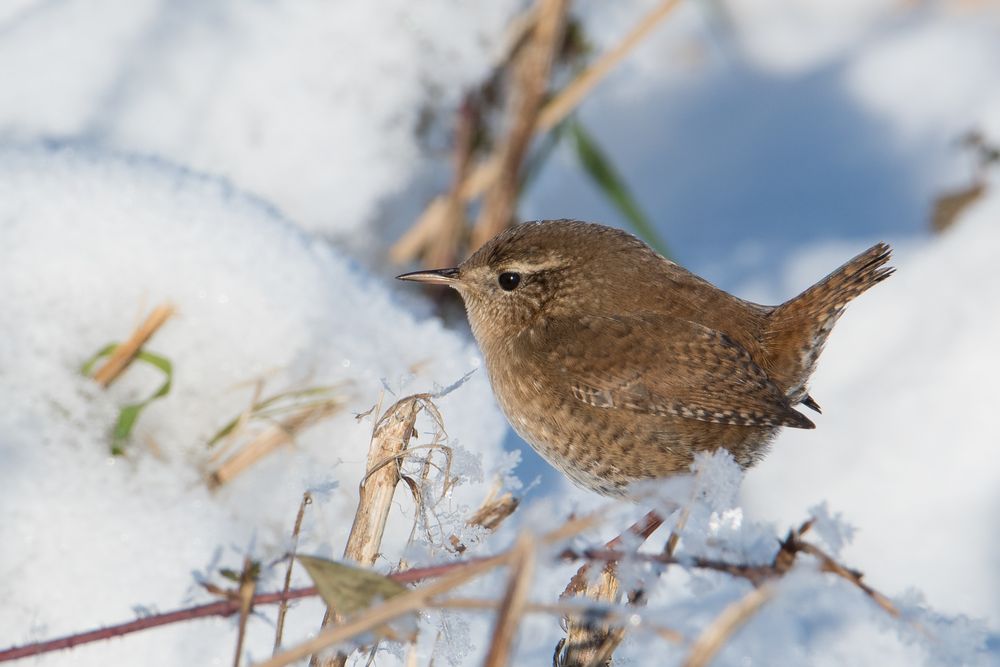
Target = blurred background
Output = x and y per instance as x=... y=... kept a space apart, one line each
x=758 y=143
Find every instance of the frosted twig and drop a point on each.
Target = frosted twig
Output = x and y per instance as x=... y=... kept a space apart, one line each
x=494 y=509
x=390 y=437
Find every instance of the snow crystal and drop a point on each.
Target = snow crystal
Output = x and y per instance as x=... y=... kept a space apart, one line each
x=831 y=528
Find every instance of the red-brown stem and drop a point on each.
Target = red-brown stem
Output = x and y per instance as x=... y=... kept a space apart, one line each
x=226 y=607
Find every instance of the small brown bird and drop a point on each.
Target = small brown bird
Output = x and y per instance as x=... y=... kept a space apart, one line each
x=618 y=365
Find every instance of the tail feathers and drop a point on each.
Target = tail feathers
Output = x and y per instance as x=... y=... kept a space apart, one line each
x=798 y=328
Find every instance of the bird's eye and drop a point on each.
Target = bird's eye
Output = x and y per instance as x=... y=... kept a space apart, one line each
x=509 y=280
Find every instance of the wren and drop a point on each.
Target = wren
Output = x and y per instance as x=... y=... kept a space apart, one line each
x=618 y=365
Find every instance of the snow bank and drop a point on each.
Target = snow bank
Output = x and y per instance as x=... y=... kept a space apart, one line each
x=90 y=244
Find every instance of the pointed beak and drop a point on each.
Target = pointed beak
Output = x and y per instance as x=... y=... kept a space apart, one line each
x=436 y=276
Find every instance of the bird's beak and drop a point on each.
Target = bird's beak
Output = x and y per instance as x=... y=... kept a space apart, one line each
x=435 y=276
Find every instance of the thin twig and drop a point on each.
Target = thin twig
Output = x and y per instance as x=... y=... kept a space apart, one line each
x=125 y=353
x=283 y=604
x=247 y=587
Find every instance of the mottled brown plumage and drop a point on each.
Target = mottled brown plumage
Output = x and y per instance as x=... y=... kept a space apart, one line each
x=618 y=365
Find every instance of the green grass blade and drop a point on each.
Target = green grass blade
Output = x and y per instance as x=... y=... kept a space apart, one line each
x=129 y=414
x=598 y=166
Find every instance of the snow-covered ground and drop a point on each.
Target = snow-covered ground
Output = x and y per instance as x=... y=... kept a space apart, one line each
x=203 y=154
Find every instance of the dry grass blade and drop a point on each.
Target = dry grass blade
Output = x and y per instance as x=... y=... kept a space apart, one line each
x=722 y=628
x=125 y=353
x=272 y=439
x=572 y=95
x=452 y=220
x=417 y=237
x=675 y=534
x=512 y=606
x=390 y=438
x=486 y=173
x=386 y=611
x=444 y=218
x=531 y=82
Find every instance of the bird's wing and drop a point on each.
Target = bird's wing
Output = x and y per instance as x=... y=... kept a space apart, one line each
x=657 y=364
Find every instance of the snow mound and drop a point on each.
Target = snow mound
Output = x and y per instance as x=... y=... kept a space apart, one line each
x=89 y=244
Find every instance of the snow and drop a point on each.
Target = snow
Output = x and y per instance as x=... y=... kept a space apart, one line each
x=205 y=154
x=92 y=242
x=906 y=431
x=225 y=87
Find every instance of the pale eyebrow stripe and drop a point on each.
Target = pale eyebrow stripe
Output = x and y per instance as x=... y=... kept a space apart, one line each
x=529 y=267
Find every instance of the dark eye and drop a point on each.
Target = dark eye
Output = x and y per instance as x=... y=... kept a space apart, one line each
x=509 y=280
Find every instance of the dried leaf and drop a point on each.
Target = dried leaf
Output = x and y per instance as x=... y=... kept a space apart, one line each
x=949 y=205
x=347 y=588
